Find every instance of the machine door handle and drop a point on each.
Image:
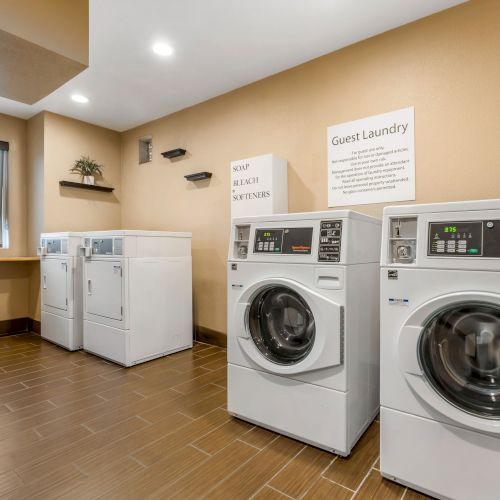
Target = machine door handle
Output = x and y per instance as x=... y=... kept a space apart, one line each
x=89 y=287
x=44 y=281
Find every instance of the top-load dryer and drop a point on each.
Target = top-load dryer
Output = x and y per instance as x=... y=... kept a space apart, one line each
x=440 y=348
x=61 y=289
x=137 y=294
x=303 y=325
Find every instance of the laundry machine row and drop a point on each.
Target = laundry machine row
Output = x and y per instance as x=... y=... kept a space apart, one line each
x=303 y=337
x=123 y=295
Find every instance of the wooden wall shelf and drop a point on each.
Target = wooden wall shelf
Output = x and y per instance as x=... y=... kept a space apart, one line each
x=90 y=187
x=198 y=176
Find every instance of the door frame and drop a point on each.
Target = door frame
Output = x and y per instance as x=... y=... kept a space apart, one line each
x=328 y=347
x=409 y=363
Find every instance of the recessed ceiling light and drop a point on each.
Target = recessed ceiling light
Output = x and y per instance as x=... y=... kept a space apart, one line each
x=162 y=49
x=79 y=98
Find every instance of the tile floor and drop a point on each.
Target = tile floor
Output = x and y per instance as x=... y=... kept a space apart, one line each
x=75 y=426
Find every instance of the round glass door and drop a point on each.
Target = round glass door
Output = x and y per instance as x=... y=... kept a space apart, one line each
x=281 y=325
x=459 y=353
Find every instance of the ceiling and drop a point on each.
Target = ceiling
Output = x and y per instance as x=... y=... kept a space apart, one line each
x=219 y=45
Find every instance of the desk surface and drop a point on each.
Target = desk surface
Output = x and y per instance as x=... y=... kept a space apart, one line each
x=19 y=259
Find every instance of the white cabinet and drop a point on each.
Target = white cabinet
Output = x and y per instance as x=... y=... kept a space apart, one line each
x=104 y=288
x=55 y=283
x=259 y=186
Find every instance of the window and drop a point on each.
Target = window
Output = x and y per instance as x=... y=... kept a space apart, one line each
x=4 y=171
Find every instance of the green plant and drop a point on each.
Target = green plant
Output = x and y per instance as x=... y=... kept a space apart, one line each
x=85 y=167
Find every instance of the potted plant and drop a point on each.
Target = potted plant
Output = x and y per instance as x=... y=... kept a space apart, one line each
x=87 y=168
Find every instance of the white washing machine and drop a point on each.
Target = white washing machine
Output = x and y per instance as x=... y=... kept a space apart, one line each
x=137 y=294
x=303 y=325
x=61 y=284
x=440 y=348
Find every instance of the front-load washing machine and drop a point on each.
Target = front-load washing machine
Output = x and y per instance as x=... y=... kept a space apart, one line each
x=61 y=289
x=440 y=348
x=137 y=294
x=303 y=325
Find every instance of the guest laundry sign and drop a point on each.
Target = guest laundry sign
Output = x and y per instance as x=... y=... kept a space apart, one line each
x=372 y=160
x=259 y=186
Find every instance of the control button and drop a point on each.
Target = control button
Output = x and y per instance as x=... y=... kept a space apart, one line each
x=260 y=245
x=462 y=243
x=490 y=224
x=462 y=250
x=440 y=249
x=271 y=245
x=266 y=245
x=451 y=250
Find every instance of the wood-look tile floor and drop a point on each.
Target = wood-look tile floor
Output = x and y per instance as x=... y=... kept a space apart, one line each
x=75 y=426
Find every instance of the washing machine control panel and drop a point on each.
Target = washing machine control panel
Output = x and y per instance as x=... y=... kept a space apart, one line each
x=330 y=241
x=49 y=246
x=287 y=241
x=478 y=238
x=104 y=246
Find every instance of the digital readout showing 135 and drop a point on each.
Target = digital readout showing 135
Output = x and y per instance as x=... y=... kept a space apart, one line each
x=450 y=229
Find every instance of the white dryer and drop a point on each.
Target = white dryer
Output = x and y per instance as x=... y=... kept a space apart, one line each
x=61 y=289
x=137 y=294
x=303 y=325
x=440 y=348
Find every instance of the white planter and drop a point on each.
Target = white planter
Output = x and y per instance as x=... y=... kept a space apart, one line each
x=89 y=179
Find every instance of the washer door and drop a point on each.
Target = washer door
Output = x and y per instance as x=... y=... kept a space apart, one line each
x=449 y=350
x=459 y=351
x=281 y=324
x=287 y=328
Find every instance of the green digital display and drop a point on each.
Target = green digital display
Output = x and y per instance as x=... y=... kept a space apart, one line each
x=267 y=234
x=450 y=229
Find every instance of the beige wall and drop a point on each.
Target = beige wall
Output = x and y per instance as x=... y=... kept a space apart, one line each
x=67 y=209
x=14 y=277
x=447 y=66
x=13 y=130
x=14 y=290
x=57 y=25
x=34 y=181
x=44 y=44
x=42 y=150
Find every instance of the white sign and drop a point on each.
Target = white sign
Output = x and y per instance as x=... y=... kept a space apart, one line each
x=259 y=186
x=372 y=160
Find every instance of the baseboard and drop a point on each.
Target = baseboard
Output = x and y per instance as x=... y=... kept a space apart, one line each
x=13 y=326
x=19 y=325
x=35 y=326
x=209 y=336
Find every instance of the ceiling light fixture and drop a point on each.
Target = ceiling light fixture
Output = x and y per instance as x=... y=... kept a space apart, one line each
x=162 y=49
x=79 y=98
